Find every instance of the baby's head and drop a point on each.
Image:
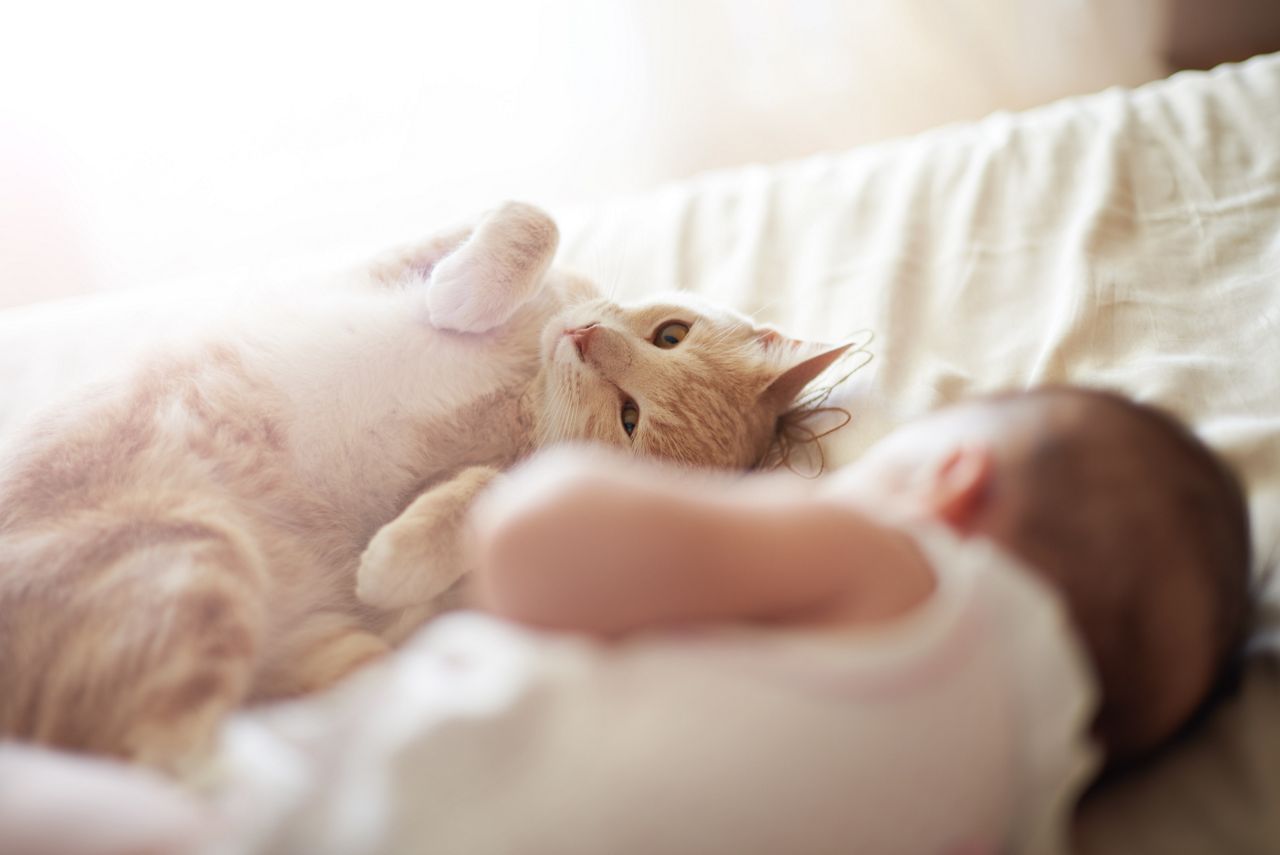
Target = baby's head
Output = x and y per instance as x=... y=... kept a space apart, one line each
x=1139 y=526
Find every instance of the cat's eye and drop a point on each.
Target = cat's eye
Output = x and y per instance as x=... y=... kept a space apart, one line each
x=670 y=334
x=630 y=417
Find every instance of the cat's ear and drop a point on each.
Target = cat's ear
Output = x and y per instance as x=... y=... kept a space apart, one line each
x=811 y=360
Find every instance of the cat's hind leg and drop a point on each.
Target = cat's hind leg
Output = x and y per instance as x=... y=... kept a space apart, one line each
x=135 y=639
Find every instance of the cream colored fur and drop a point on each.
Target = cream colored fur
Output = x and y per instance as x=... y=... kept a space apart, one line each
x=259 y=516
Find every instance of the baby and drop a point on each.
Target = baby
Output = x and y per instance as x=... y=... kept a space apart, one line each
x=940 y=557
x=917 y=655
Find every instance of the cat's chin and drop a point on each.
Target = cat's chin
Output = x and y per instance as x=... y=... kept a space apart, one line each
x=555 y=345
x=566 y=351
x=558 y=347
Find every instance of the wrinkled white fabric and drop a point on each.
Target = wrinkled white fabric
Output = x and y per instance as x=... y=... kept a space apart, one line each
x=956 y=730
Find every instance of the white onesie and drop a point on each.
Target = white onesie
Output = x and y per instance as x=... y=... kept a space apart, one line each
x=958 y=730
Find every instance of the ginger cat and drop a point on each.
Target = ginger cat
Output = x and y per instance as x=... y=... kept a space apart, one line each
x=257 y=517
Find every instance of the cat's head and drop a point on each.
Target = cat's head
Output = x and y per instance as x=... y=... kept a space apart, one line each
x=674 y=377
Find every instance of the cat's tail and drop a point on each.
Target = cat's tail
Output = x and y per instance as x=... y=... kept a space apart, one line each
x=128 y=635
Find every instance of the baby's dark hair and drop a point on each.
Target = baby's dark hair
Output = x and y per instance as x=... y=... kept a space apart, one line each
x=1146 y=532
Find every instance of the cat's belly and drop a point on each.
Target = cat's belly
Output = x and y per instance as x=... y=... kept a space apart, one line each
x=380 y=403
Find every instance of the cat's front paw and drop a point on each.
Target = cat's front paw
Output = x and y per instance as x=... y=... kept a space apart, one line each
x=499 y=268
x=458 y=302
x=403 y=566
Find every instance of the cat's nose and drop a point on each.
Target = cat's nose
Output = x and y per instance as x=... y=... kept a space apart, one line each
x=582 y=337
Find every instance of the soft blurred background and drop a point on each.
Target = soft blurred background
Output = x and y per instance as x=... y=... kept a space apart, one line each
x=150 y=143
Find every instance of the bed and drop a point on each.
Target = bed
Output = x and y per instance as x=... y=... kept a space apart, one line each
x=1129 y=239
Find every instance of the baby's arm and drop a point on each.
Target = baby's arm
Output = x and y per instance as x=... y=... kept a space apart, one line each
x=608 y=546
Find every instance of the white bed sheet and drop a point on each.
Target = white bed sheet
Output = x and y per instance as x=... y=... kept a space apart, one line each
x=1126 y=239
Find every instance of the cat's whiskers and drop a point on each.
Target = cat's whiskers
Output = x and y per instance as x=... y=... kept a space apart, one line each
x=763 y=309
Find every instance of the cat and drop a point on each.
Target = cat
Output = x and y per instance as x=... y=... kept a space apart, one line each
x=256 y=517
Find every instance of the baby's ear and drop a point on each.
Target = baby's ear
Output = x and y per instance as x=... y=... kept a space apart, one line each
x=958 y=485
x=814 y=358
